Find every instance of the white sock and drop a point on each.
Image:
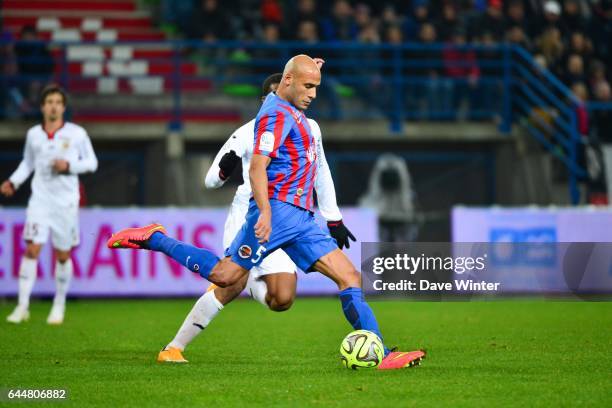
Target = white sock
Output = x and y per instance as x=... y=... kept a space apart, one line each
x=203 y=312
x=258 y=289
x=27 y=277
x=63 y=276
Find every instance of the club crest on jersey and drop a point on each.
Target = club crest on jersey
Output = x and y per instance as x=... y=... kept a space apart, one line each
x=299 y=191
x=266 y=142
x=245 y=251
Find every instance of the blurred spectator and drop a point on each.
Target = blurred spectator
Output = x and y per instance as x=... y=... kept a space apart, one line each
x=550 y=45
x=268 y=57
x=394 y=35
x=304 y=10
x=461 y=67
x=271 y=33
x=597 y=74
x=11 y=101
x=35 y=66
x=340 y=26
x=271 y=12
x=579 y=44
x=449 y=23
x=307 y=32
x=574 y=71
x=389 y=17
x=363 y=18
x=516 y=17
x=420 y=15
x=209 y=22
x=516 y=35
x=603 y=118
x=581 y=95
x=491 y=23
x=573 y=19
x=432 y=92
x=551 y=18
x=601 y=30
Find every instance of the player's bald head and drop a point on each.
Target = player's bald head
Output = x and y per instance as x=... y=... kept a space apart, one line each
x=301 y=64
x=301 y=77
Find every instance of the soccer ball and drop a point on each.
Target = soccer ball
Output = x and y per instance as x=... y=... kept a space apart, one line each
x=361 y=349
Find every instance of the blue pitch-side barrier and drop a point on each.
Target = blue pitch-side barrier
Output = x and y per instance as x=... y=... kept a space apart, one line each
x=361 y=81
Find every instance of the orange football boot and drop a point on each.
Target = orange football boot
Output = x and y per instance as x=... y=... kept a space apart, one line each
x=398 y=359
x=135 y=238
x=171 y=355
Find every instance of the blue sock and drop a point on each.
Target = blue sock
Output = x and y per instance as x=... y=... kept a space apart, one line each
x=358 y=312
x=197 y=260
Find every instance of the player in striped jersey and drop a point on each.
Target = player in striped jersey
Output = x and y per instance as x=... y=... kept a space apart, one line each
x=273 y=282
x=282 y=174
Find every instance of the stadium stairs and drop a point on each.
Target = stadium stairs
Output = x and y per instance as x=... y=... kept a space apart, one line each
x=123 y=76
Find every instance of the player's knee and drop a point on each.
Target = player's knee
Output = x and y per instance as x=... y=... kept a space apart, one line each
x=223 y=277
x=281 y=301
x=62 y=257
x=32 y=252
x=280 y=305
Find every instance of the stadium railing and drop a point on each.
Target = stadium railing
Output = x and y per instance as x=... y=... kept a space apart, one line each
x=181 y=80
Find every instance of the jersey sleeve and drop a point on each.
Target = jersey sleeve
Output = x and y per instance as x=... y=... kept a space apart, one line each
x=212 y=179
x=26 y=167
x=324 y=184
x=271 y=130
x=87 y=162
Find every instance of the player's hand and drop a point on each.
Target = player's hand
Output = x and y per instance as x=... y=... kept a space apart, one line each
x=227 y=164
x=7 y=189
x=263 y=227
x=340 y=233
x=319 y=62
x=61 y=166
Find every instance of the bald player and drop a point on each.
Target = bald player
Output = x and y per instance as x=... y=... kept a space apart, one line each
x=282 y=175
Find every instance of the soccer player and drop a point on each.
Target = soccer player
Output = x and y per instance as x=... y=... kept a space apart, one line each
x=273 y=282
x=282 y=174
x=57 y=152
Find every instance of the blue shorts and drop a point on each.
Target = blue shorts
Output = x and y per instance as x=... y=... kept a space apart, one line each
x=293 y=229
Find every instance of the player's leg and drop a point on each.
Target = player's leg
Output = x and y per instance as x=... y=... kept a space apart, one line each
x=35 y=233
x=222 y=272
x=316 y=250
x=63 y=277
x=64 y=227
x=27 y=277
x=203 y=312
x=280 y=290
x=273 y=282
x=340 y=269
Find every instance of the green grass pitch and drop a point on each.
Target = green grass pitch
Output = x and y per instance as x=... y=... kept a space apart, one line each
x=505 y=353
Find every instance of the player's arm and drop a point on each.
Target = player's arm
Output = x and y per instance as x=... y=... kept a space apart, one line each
x=25 y=168
x=86 y=162
x=326 y=196
x=259 y=185
x=224 y=163
x=271 y=129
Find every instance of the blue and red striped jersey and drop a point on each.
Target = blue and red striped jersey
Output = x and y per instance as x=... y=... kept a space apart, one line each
x=282 y=133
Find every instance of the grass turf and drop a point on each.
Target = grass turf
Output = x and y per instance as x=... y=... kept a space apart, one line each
x=510 y=353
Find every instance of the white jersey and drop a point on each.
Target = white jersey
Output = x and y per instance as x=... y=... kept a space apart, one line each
x=241 y=142
x=49 y=188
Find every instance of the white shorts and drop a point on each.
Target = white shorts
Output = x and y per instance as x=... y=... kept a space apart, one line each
x=277 y=262
x=63 y=223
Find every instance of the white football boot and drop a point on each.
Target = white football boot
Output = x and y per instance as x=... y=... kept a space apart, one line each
x=56 y=316
x=20 y=314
